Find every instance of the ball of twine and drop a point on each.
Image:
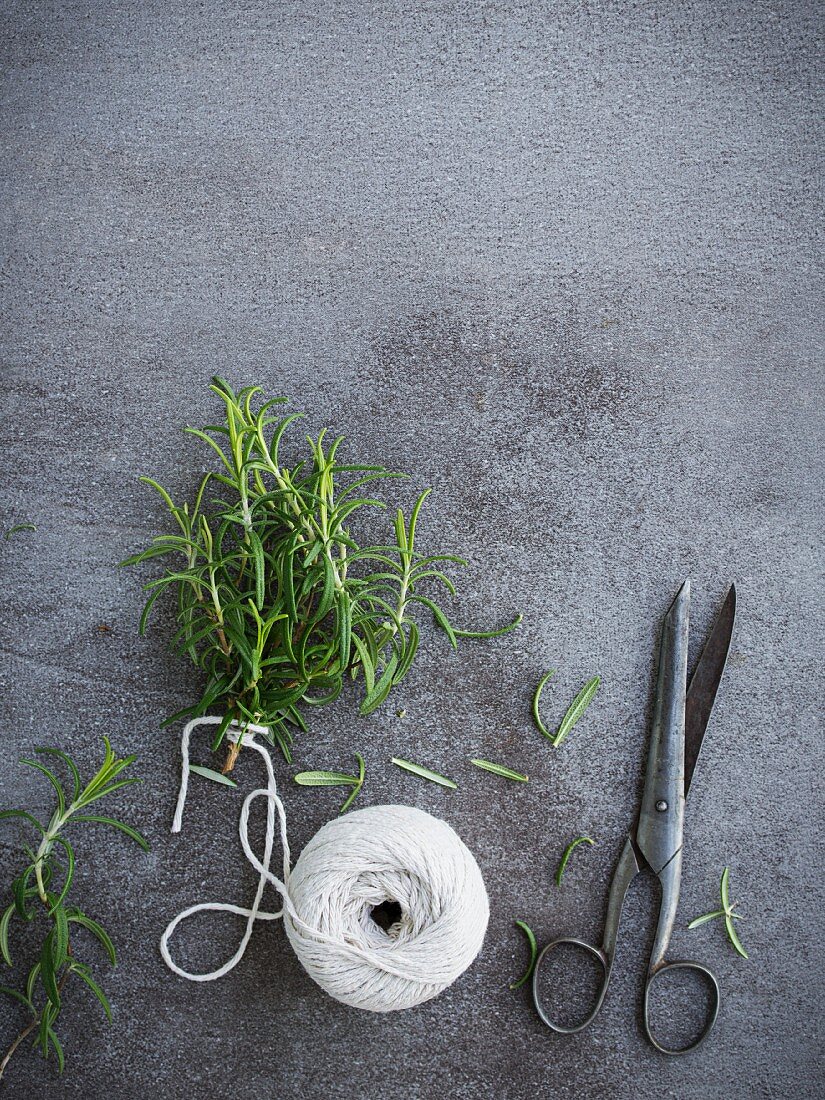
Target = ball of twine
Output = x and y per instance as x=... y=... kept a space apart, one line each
x=419 y=871
x=384 y=908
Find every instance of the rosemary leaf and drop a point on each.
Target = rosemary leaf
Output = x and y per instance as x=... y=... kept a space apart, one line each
x=210 y=773
x=4 y=934
x=351 y=797
x=536 y=700
x=424 y=773
x=534 y=951
x=568 y=851
x=19 y=527
x=577 y=709
x=724 y=889
x=733 y=936
x=698 y=921
x=499 y=769
x=324 y=779
x=335 y=779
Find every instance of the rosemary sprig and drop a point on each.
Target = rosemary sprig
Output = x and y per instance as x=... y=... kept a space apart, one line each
x=278 y=602
x=568 y=851
x=574 y=711
x=40 y=893
x=727 y=911
x=534 y=951
x=424 y=773
x=335 y=779
x=499 y=769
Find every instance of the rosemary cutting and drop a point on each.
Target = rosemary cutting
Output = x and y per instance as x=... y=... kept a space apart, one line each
x=728 y=912
x=278 y=602
x=40 y=894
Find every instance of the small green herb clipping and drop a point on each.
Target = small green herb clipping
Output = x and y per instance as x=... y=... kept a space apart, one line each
x=279 y=602
x=499 y=769
x=534 y=951
x=40 y=894
x=335 y=779
x=574 y=711
x=568 y=851
x=424 y=773
x=18 y=527
x=728 y=912
x=209 y=773
x=537 y=698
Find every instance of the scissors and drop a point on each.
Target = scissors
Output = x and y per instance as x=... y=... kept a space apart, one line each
x=680 y=719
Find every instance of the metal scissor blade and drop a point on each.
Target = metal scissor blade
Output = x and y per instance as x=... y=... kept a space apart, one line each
x=661 y=817
x=705 y=682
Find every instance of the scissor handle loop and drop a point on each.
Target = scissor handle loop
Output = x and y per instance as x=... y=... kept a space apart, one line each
x=682 y=964
x=602 y=959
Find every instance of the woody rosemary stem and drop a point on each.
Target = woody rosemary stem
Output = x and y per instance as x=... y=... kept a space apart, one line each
x=28 y=1029
x=231 y=757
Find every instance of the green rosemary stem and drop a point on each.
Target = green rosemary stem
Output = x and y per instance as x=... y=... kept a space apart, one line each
x=43 y=852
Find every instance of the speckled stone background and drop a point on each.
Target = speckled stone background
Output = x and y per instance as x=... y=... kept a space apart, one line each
x=560 y=261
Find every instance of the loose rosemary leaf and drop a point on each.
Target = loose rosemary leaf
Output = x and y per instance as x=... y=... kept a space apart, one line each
x=216 y=777
x=568 y=851
x=351 y=797
x=577 y=709
x=534 y=951
x=424 y=773
x=574 y=711
x=733 y=936
x=324 y=779
x=18 y=527
x=499 y=769
x=724 y=889
x=697 y=922
x=537 y=699
x=335 y=779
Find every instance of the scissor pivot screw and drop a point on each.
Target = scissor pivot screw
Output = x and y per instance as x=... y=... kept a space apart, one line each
x=661 y=805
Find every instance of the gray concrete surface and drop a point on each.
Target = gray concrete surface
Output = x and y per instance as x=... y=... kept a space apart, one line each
x=561 y=262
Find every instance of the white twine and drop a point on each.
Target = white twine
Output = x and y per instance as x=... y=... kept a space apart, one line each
x=273 y=801
x=353 y=864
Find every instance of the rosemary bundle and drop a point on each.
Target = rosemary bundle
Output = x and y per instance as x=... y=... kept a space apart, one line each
x=278 y=602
